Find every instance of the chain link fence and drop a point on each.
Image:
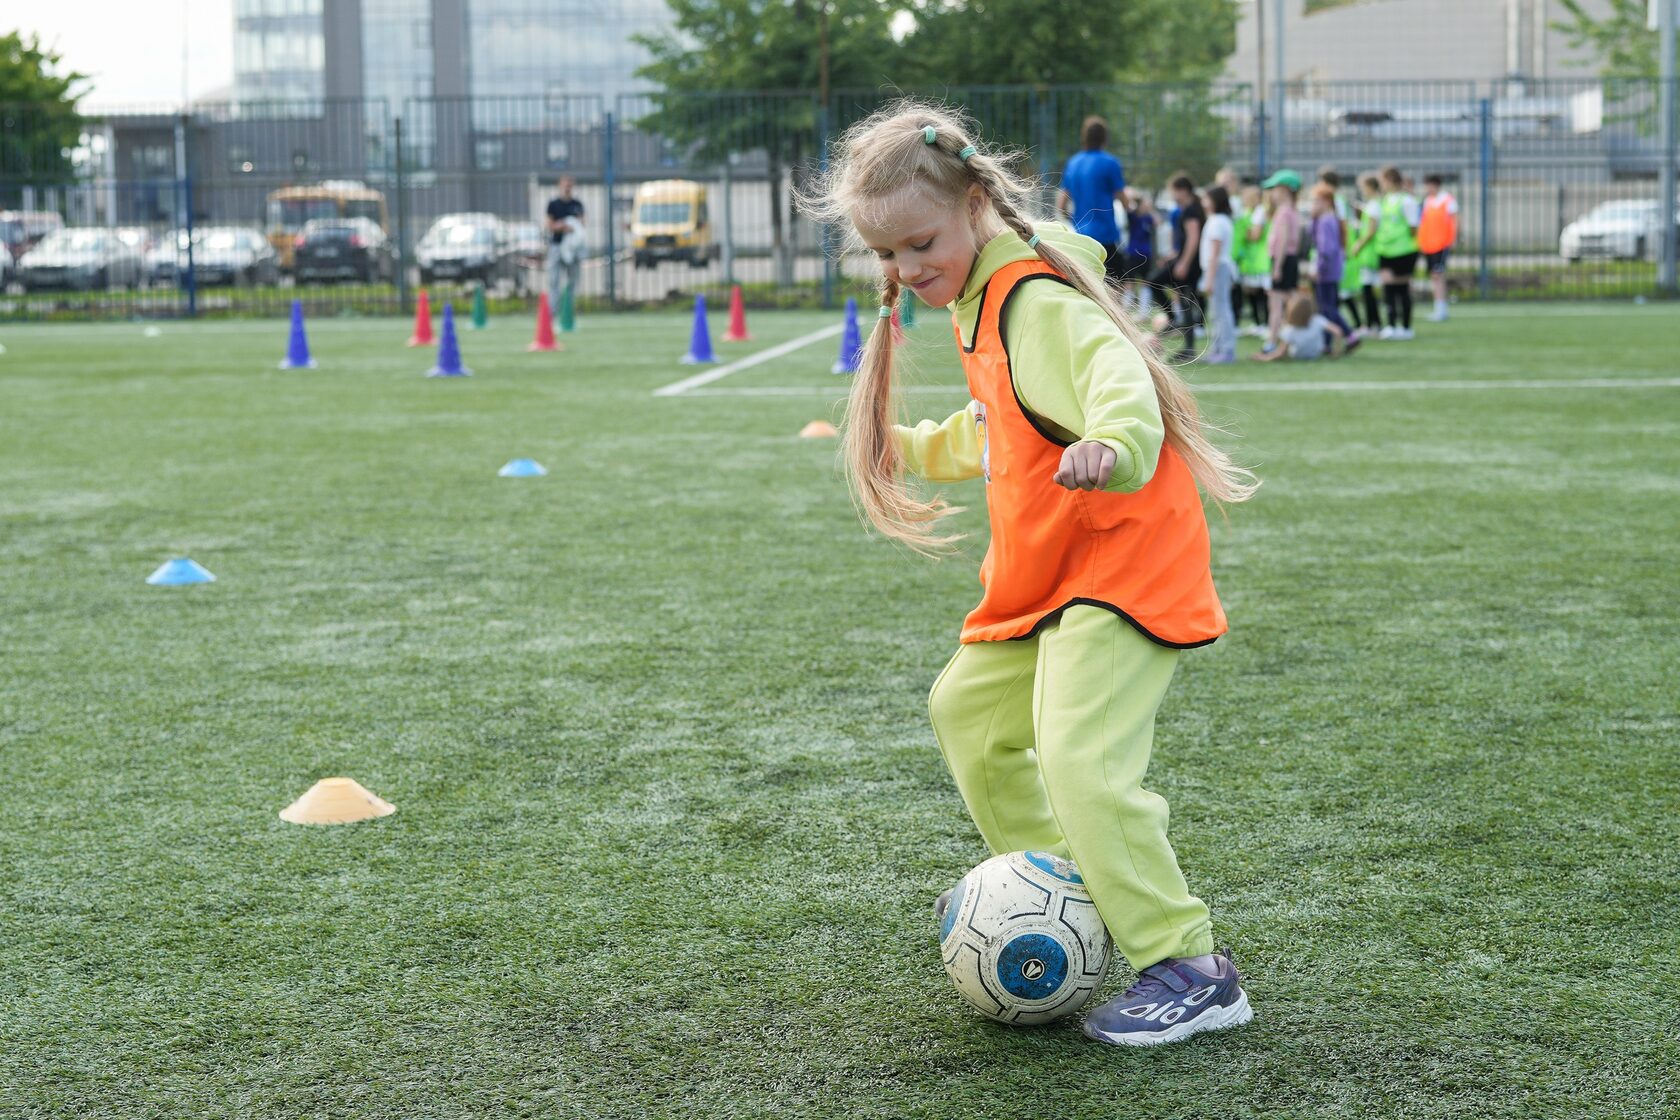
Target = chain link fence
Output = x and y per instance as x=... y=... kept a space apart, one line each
x=353 y=206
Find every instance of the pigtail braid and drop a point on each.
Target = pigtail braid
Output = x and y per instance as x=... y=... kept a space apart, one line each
x=869 y=448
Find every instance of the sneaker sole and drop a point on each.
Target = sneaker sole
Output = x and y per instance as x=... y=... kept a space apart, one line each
x=1233 y=1016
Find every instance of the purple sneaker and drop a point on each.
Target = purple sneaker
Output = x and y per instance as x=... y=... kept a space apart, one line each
x=1171 y=1001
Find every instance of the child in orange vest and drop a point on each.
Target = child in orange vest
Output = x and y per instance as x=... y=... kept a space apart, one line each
x=1097 y=576
x=1437 y=231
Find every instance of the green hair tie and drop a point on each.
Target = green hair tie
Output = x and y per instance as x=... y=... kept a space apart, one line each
x=1032 y=242
x=966 y=152
x=930 y=134
x=886 y=311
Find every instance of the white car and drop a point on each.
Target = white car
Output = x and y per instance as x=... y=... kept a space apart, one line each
x=1626 y=229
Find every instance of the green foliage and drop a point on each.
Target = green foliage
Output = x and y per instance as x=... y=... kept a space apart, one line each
x=718 y=47
x=38 y=121
x=1619 y=37
x=972 y=42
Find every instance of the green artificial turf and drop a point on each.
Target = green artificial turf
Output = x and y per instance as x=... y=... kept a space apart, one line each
x=670 y=817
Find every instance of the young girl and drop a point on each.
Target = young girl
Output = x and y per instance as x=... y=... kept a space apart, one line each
x=1284 y=245
x=1329 y=256
x=1364 y=252
x=1307 y=335
x=1254 y=263
x=1098 y=571
x=1219 y=274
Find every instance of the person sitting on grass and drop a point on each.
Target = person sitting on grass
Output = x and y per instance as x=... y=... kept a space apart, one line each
x=1305 y=334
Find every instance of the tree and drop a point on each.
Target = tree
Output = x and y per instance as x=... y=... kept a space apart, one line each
x=1144 y=65
x=1625 y=46
x=718 y=48
x=969 y=42
x=39 y=124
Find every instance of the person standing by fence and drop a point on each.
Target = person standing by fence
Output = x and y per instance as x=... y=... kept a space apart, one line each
x=1397 y=252
x=1179 y=277
x=1437 y=231
x=565 y=242
x=1219 y=277
x=1284 y=246
x=1091 y=184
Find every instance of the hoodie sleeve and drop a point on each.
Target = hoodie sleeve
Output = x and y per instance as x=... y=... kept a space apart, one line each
x=943 y=452
x=1074 y=369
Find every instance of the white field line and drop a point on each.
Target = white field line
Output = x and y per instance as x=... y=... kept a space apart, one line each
x=1265 y=387
x=678 y=388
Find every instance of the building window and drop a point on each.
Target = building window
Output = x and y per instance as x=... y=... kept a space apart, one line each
x=488 y=155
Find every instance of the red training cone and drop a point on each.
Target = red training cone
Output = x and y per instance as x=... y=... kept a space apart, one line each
x=545 y=327
x=422 y=335
x=737 y=331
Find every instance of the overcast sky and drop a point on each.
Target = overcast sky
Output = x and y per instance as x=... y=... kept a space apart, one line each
x=132 y=48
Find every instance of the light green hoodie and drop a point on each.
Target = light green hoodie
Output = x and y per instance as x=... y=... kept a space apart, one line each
x=1073 y=370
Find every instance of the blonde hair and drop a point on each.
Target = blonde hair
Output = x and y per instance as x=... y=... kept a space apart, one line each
x=1302 y=307
x=887 y=152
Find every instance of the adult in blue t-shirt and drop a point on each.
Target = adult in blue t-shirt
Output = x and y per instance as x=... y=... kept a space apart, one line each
x=1091 y=183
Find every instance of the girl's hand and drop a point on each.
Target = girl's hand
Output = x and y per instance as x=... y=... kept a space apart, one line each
x=1086 y=466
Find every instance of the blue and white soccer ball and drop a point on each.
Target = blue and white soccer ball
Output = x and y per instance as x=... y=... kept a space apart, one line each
x=1022 y=940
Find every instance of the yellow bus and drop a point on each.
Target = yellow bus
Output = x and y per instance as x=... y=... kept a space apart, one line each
x=289 y=208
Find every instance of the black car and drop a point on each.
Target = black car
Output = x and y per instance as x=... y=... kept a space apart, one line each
x=342 y=249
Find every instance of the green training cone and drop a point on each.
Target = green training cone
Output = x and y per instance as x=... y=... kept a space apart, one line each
x=568 y=314
x=480 y=313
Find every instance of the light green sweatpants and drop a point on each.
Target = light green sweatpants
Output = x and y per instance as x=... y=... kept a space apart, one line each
x=1048 y=738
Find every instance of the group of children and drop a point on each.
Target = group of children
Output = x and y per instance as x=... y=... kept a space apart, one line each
x=1305 y=265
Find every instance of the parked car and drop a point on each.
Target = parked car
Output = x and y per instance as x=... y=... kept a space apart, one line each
x=670 y=223
x=84 y=259
x=342 y=249
x=22 y=230
x=1625 y=229
x=467 y=247
x=233 y=255
x=166 y=257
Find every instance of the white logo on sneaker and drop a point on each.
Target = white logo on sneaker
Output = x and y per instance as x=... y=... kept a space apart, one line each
x=1196 y=999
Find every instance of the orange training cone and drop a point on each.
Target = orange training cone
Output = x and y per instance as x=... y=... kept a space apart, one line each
x=336 y=801
x=737 y=331
x=422 y=335
x=818 y=429
x=545 y=327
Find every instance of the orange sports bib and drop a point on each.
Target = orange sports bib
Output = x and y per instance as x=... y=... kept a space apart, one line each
x=1143 y=555
x=1439 y=227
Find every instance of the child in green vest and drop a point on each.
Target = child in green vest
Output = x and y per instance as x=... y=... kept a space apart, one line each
x=1398 y=215
x=1254 y=263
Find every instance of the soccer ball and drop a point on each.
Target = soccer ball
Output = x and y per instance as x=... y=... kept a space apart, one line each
x=1022 y=940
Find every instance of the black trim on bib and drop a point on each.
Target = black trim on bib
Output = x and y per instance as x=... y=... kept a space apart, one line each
x=979 y=317
x=1055 y=616
x=1003 y=315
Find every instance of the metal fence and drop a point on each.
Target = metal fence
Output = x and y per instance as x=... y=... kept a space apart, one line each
x=164 y=214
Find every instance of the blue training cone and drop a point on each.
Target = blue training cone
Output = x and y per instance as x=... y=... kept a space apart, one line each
x=523 y=468
x=851 y=347
x=297 y=349
x=449 y=350
x=176 y=573
x=700 y=343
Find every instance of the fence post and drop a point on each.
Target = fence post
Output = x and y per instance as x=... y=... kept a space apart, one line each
x=1263 y=166
x=1484 y=281
x=404 y=296
x=727 y=208
x=1670 y=148
x=826 y=243
x=183 y=171
x=609 y=177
